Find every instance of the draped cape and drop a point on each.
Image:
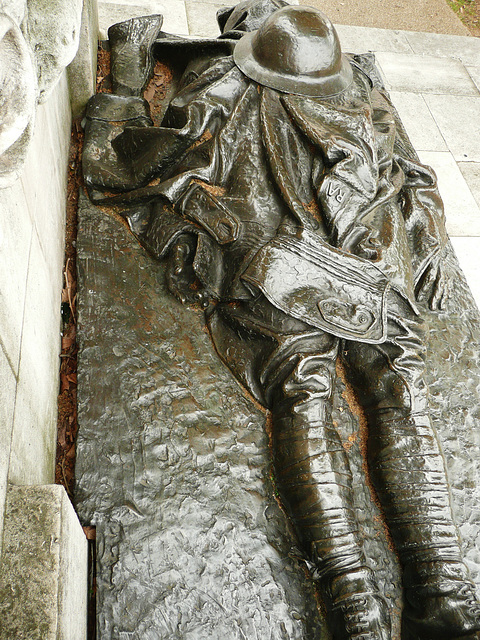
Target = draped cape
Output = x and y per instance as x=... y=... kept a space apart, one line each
x=322 y=205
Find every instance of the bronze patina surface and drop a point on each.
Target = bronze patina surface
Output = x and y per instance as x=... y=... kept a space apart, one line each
x=300 y=219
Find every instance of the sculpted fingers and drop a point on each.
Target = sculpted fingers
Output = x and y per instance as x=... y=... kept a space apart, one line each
x=181 y=278
x=181 y=254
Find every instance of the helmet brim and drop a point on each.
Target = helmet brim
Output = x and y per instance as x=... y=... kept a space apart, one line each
x=303 y=85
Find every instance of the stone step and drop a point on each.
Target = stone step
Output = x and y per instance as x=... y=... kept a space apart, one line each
x=43 y=575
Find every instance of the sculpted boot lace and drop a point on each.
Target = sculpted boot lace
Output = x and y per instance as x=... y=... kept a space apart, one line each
x=444 y=607
x=356 y=610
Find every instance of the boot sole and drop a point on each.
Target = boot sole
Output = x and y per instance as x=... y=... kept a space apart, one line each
x=411 y=634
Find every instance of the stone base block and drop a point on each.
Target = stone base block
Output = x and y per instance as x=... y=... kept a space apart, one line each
x=43 y=574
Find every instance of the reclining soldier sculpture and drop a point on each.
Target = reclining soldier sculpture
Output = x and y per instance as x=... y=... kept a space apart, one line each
x=284 y=193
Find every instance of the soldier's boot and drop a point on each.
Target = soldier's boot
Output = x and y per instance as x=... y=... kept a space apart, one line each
x=131 y=60
x=408 y=470
x=315 y=483
x=356 y=611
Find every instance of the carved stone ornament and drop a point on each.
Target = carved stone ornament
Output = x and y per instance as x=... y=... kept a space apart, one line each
x=38 y=40
x=53 y=31
x=18 y=99
x=288 y=203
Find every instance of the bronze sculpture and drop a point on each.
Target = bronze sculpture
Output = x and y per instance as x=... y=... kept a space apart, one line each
x=291 y=205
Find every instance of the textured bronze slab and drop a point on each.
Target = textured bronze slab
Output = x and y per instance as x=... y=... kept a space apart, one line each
x=298 y=216
x=173 y=465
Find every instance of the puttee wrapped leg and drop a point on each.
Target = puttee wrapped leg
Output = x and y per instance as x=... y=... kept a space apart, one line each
x=408 y=470
x=315 y=483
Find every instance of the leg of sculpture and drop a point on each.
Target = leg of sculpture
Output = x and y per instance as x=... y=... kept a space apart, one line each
x=296 y=374
x=408 y=471
x=315 y=482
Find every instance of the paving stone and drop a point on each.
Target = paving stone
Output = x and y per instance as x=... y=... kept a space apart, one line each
x=230 y=4
x=425 y=74
x=461 y=210
x=362 y=39
x=458 y=118
x=32 y=458
x=464 y=48
x=43 y=578
x=474 y=73
x=471 y=173
x=202 y=19
x=202 y=16
x=7 y=403
x=421 y=15
x=467 y=250
x=419 y=122
x=173 y=11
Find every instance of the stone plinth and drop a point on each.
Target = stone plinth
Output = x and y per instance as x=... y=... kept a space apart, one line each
x=43 y=577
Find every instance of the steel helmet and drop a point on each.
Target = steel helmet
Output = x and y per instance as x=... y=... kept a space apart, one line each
x=296 y=50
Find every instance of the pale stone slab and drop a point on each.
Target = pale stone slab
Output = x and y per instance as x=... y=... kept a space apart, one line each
x=468 y=254
x=471 y=173
x=464 y=48
x=475 y=75
x=458 y=118
x=59 y=119
x=362 y=39
x=32 y=458
x=43 y=579
x=425 y=74
x=419 y=122
x=44 y=189
x=73 y=578
x=15 y=240
x=44 y=177
x=461 y=210
x=7 y=402
x=173 y=12
x=202 y=16
x=33 y=175
x=82 y=71
x=202 y=19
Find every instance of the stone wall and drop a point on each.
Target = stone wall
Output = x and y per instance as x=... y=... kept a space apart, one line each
x=38 y=42
x=32 y=222
x=34 y=147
